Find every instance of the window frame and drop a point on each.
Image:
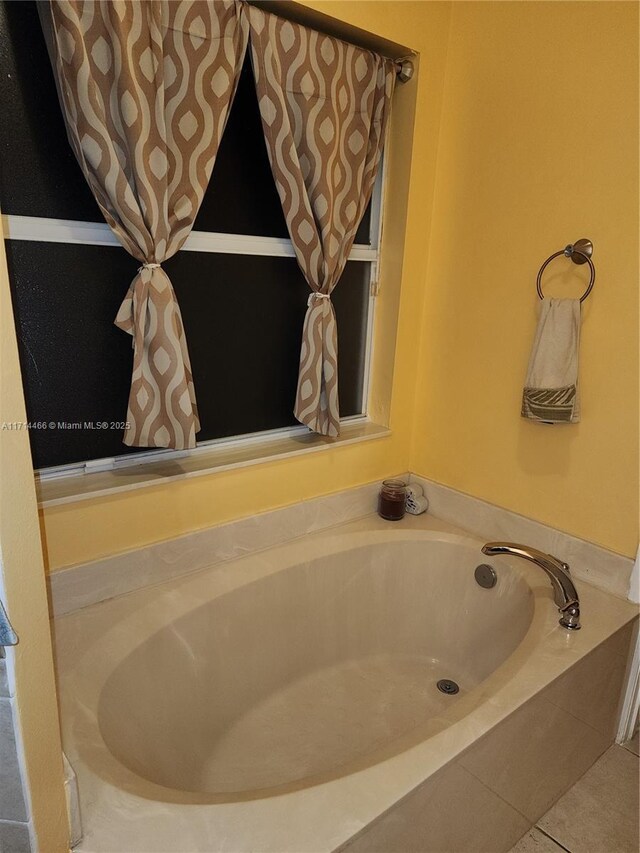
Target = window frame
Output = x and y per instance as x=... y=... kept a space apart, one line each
x=45 y=229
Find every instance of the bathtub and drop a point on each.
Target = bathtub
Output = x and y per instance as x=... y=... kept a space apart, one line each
x=289 y=700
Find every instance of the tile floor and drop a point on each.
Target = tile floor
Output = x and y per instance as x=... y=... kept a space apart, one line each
x=599 y=814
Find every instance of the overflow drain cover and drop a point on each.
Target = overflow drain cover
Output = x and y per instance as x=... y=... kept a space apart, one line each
x=447 y=686
x=486 y=576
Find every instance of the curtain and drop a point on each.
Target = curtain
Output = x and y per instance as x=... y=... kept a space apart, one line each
x=324 y=106
x=146 y=87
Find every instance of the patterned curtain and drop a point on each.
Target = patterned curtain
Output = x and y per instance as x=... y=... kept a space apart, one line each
x=324 y=106
x=146 y=87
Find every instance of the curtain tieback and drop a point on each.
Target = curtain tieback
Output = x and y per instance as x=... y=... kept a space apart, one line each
x=316 y=295
x=147 y=266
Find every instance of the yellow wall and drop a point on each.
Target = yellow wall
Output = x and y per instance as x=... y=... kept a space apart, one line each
x=95 y=528
x=26 y=599
x=538 y=147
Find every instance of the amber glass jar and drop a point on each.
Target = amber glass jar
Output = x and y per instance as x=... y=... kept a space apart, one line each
x=391 y=500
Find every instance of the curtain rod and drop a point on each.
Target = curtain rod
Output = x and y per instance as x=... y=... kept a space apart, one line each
x=301 y=15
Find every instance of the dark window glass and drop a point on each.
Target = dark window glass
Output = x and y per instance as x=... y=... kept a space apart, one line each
x=241 y=197
x=243 y=314
x=40 y=175
x=243 y=317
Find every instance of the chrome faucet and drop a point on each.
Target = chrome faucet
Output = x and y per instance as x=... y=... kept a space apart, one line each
x=565 y=594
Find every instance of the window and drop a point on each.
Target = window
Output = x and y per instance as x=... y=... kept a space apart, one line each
x=76 y=364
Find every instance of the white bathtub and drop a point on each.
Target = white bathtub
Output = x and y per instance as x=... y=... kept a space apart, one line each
x=286 y=700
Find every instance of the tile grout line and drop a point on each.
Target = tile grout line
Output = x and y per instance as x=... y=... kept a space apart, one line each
x=546 y=832
x=485 y=785
x=515 y=808
x=551 y=838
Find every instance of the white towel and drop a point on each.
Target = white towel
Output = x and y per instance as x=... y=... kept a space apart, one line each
x=551 y=388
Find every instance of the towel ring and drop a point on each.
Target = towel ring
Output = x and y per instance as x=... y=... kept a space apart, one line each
x=580 y=253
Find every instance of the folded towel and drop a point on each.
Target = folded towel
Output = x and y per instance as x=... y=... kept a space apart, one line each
x=551 y=388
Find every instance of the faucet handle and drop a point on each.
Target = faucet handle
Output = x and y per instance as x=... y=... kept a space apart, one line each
x=570 y=616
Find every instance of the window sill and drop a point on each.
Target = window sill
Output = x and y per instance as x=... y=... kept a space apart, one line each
x=74 y=488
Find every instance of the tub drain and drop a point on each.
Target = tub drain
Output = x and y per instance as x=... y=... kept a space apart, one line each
x=447 y=686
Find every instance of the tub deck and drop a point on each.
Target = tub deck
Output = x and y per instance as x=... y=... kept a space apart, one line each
x=123 y=811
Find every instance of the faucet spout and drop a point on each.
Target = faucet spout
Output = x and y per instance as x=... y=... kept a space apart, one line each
x=565 y=594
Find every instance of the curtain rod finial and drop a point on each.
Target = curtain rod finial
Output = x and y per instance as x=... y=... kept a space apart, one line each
x=405 y=70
